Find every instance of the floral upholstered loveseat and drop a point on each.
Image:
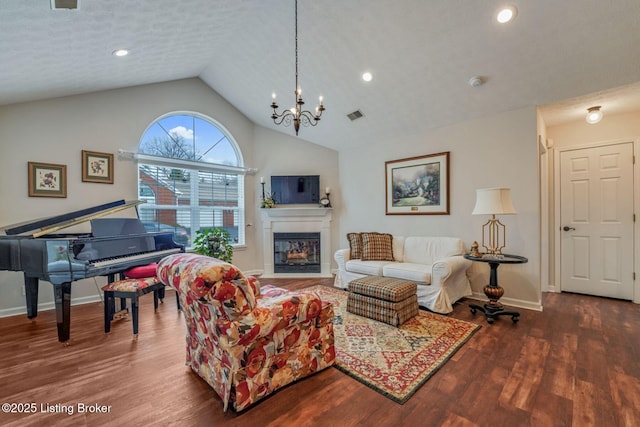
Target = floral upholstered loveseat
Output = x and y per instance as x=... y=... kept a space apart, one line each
x=244 y=341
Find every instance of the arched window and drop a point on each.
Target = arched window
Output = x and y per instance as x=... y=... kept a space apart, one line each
x=191 y=176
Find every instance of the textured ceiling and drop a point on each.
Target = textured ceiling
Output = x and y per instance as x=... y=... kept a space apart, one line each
x=565 y=55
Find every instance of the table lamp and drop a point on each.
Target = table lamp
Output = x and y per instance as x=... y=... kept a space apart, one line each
x=493 y=201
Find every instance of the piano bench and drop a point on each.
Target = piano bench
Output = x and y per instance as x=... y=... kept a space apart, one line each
x=142 y=272
x=129 y=288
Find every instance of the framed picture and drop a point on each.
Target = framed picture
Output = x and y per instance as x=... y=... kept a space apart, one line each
x=47 y=180
x=97 y=167
x=418 y=185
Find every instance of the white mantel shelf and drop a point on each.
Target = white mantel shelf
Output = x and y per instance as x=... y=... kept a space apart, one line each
x=292 y=220
x=293 y=212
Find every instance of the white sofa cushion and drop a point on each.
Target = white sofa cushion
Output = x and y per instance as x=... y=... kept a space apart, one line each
x=408 y=271
x=398 y=248
x=427 y=250
x=371 y=268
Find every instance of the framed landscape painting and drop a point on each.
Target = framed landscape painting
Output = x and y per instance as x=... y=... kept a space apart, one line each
x=97 y=167
x=418 y=185
x=47 y=180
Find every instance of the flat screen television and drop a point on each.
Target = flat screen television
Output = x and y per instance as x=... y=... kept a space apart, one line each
x=296 y=189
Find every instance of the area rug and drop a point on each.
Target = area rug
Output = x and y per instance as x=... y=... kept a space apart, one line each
x=393 y=361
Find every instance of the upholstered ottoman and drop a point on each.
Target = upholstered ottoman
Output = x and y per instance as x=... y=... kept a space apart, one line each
x=388 y=300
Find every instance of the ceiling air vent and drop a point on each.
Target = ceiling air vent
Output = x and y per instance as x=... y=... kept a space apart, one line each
x=65 y=4
x=355 y=115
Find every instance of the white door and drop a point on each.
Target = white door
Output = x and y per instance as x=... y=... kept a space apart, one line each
x=596 y=213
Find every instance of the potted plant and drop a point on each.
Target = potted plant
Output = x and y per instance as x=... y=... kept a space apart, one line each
x=214 y=242
x=268 y=201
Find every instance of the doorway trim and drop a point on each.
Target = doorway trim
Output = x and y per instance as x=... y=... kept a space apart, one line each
x=557 y=287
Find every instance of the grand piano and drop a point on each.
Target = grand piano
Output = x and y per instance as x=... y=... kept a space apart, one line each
x=114 y=245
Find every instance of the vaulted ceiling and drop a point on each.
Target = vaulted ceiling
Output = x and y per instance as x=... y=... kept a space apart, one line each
x=566 y=55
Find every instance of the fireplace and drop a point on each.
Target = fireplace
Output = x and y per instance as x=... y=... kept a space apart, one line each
x=309 y=230
x=296 y=252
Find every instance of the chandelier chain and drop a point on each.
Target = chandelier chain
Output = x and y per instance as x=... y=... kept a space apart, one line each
x=296 y=33
x=296 y=114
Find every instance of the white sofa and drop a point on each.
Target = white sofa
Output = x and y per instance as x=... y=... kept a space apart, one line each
x=434 y=263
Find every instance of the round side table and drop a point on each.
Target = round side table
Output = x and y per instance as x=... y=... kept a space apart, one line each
x=493 y=291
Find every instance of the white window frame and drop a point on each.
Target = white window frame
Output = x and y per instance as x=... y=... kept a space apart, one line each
x=196 y=166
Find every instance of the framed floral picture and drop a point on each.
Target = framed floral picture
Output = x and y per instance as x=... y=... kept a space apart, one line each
x=418 y=185
x=47 y=180
x=97 y=167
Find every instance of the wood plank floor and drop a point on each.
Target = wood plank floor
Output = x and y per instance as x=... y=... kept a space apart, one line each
x=577 y=363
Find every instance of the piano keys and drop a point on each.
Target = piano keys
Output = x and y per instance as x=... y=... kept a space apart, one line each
x=113 y=246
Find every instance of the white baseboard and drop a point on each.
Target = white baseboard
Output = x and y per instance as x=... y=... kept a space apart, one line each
x=256 y=273
x=15 y=311
x=260 y=273
x=298 y=276
x=511 y=302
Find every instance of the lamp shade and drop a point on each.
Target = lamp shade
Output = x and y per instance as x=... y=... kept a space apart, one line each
x=493 y=201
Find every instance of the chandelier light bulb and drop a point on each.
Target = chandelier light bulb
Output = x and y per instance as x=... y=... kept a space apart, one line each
x=367 y=76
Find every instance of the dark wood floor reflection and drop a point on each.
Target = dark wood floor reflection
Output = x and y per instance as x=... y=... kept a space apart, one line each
x=577 y=363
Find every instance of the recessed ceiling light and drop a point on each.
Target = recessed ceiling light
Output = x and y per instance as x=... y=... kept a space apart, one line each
x=367 y=76
x=594 y=115
x=506 y=14
x=120 y=52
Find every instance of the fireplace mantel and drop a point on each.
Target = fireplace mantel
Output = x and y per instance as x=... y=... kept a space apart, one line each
x=292 y=220
x=294 y=212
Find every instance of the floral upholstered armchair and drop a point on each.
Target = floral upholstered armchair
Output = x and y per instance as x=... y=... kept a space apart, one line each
x=244 y=341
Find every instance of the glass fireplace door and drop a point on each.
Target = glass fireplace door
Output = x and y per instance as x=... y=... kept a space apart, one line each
x=296 y=252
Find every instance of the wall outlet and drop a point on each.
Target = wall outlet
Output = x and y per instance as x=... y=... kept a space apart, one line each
x=23 y=291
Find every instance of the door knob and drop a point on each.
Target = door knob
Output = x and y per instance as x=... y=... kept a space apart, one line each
x=567 y=228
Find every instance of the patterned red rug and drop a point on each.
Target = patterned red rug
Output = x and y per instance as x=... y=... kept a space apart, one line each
x=393 y=361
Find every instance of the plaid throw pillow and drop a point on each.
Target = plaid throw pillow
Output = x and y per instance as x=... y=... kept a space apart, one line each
x=377 y=247
x=355 y=245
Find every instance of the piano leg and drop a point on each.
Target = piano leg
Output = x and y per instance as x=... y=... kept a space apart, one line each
x=31 y=292
x=62 y=296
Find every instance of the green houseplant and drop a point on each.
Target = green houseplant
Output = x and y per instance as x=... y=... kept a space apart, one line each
x=214 y=242
x=268 y=201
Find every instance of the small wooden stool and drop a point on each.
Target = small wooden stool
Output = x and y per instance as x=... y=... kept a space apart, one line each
x=129 y=288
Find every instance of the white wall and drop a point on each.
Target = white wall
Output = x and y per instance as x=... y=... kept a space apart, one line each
x=56 y=130
x=494 y=151
x=619 y=127
x=545 y=172
x=610 y=128
x=280 y=154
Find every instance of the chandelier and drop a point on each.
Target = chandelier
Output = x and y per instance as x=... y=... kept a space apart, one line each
x=296 y=114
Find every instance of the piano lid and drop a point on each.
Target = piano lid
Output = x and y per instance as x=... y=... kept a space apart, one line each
x=52 y=224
